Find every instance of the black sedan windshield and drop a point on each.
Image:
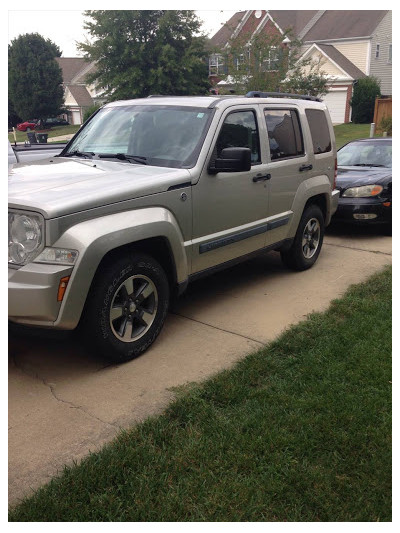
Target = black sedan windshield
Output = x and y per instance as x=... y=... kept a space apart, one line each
x=372 y=153
x=168 y=136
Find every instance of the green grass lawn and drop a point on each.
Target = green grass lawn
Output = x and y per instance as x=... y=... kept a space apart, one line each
x=348 y=132
x=299 y=431
x=55 y=131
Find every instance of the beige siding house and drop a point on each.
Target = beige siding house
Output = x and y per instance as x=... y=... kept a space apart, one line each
x=348 y=44
x=78 y=94
x=381 y=54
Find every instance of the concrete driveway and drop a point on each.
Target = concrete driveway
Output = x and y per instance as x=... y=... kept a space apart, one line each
x=63 y=403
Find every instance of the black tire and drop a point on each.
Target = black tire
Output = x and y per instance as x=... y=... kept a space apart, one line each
x=126 y=307
x=307 y=243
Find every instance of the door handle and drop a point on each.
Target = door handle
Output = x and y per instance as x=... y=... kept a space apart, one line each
x=261 y=177
x=305 y=167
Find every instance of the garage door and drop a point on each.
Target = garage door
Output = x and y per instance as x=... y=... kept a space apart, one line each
x=336 y=103
x=76 y=117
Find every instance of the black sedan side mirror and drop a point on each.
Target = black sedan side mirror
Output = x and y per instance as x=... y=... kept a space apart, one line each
x=235 y=159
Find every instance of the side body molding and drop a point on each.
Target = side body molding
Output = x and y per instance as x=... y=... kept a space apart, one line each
x=96 y=237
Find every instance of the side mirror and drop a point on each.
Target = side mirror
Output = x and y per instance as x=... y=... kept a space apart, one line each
x=232 y=160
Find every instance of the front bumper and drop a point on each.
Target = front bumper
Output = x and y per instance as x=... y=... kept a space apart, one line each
x=364 y=211
x=32 y=293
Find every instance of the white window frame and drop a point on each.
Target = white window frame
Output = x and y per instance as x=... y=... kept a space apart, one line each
x=267 y=61
x=377 y=50
x=215 y=64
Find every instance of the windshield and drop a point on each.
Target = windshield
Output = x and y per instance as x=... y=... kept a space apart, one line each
x=366 y=153
x=168 y=136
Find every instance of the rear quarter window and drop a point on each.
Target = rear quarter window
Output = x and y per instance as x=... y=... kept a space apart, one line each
x=319 y=129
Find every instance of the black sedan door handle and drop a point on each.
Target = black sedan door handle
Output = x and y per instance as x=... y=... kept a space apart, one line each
x=305 y=167
x=261 y=177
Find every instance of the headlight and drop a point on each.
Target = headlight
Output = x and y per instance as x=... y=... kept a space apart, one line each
x=57 y=256
x=366 y=190
x=25 y=237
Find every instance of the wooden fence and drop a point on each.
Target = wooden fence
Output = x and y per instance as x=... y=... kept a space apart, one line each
x=383 y=108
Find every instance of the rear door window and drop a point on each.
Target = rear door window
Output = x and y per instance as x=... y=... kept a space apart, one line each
x=284 y=133
x=319 y=129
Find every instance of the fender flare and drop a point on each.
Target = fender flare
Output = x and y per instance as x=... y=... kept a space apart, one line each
x=315 y=186
x=96 y=237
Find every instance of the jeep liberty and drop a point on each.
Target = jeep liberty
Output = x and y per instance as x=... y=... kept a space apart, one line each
x=153 y=193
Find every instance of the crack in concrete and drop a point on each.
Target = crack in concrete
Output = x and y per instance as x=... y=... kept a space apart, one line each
x=357 y=249
x=57 y=398
x=219 y=329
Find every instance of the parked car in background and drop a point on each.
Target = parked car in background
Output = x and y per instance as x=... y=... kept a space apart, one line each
x=28 y=125
x=55 y=121
x=26 y=153
x=365 y=182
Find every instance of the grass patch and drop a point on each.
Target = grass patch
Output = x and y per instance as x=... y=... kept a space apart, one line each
x=55 y=131
x=299 y=431
x=348 y=132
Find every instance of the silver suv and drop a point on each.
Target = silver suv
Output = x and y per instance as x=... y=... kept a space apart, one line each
x=153 y=193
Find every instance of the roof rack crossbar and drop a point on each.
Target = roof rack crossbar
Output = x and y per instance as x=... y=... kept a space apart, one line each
x=261 y=94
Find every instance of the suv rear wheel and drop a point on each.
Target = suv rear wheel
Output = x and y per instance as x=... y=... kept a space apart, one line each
x=126 y=307
x=308 y=240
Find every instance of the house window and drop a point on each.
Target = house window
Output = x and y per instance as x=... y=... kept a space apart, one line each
x=271 y=61
x=390 y=53
x=377 y=51
x=216 y=64
x=242 y=58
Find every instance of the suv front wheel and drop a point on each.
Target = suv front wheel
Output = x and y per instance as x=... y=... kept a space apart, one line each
x=308 y=240
x=126 y=307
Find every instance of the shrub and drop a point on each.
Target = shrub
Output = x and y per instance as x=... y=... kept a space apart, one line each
x=89 y=111
x=386 y=125
x=363 y=101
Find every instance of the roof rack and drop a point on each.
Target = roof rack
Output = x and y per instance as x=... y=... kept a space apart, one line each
x=260 y=94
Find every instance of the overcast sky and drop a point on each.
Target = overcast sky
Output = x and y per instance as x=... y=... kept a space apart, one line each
x=64 y=28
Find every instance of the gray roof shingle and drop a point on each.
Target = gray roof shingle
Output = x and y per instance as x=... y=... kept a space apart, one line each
x=342 y=61
x=344 y=24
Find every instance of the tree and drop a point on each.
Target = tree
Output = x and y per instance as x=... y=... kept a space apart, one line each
x=363 y=101
x=270 y=62
x=13 y=118
x=34 y=77
x=139 y=53
x=306 y=77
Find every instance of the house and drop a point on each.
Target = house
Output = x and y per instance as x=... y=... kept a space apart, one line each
x=348 y=44
x=78 y=94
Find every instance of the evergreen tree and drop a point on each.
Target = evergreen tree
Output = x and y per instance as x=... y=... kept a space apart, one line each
x=363 y=101
x=139 y=53
x=34 y=77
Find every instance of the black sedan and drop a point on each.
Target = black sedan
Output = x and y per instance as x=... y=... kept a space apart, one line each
x=365 y=182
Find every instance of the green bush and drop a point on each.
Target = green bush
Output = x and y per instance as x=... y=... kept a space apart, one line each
x=363 y=101
x=89 y=111
x=386 y=125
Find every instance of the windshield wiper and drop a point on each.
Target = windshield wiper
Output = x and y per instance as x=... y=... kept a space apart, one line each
x=125 y=157
x=77 y=153
x=367 y=165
